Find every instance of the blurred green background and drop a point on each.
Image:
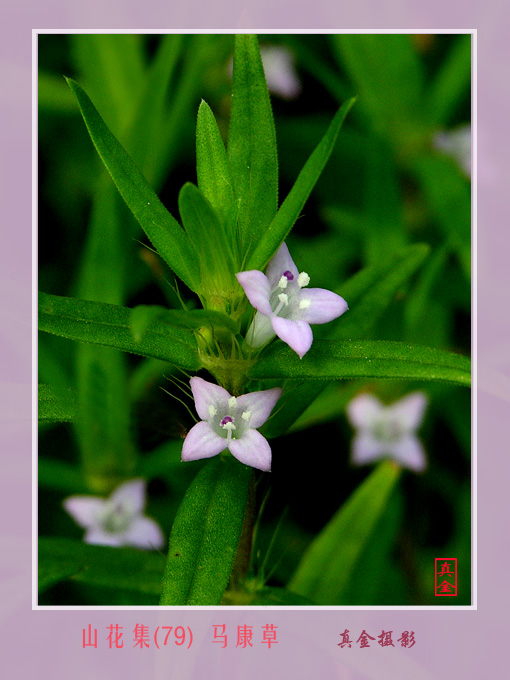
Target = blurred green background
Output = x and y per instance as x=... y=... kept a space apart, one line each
x=392 y=181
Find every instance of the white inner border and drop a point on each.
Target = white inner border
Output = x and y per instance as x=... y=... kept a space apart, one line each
x=474 y=302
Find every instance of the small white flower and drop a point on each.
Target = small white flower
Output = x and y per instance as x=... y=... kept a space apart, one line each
x=230 y=423
x=280 y=71
x=117 y=520
x=287 y=314
x=388 y=431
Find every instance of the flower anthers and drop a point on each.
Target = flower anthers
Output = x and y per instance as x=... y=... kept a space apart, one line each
x=231 y=423
x=118 y=520
x=285 y=306
x=388 y=431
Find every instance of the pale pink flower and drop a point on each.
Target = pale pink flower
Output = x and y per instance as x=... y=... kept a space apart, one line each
x=285 y=306
x=280 y=71
x=230 y=423
x=388 y=431
x=117 y=520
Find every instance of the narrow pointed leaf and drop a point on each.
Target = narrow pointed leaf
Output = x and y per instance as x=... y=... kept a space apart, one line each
x=386 y=233
x=387 y=74
x=328 y=563
x=252 y=150
x=213 y=170
x=205 y=535
x=113 y=70
x=291 y=208
x=451 y=83
x=451 y=209
x=335 y=360
x=161 y=228
x=109 y=325
x=209 y=240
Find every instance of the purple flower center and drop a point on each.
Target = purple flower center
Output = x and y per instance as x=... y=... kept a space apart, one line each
x=225 y=420
x=288 y=275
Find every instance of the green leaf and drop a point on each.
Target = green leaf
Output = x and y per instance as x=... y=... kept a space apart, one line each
x=420 y=298
x=205 y=535
x=148 y=140
x=143 y=316
x=162 y=229
x=61 y=559
x=448 y=195
x=252 y=152
x=56 y=405
x=112 y=66
x=334 y=360
x=213 y=170
x=451 y=83
x=290 y=210
x=103 y=423
x=209 y=240
x=53 y=363
x=329 y=562
x=388 y=77
x=366 y=584
x=199 y=52
x=109 y=325
x=382 y=200
x=371 y=291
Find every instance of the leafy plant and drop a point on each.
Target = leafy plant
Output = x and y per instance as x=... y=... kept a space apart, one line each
x=209 y=287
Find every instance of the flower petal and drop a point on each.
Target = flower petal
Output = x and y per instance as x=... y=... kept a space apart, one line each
x=280 y=71
x=409 y=453
x=260 y=331
x=252 y=449
x=279 y=263
x=202 y=442
x=324 y=305
x=207 y=394
x=97 y=536
x=84 y=509
x=409 y=411
x=145 y=533
x=366 y=449
x=364 y=410
x=297 y=334
x=257 y=289
x=131 y=495
x=260 y=404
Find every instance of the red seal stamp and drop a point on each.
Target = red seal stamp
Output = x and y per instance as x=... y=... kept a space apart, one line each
x=445 y=576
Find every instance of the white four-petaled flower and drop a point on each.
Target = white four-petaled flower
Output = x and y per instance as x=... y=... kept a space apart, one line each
x=230 y=423
x=117 y=520
x=285 y=306
x=388 y=431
